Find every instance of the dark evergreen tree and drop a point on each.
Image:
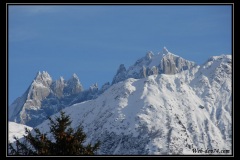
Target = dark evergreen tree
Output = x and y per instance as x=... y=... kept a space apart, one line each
x=66 y=140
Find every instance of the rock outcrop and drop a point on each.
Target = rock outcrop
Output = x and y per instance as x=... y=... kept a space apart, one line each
x=121 y=74
x=162 y=63
x=45 y=97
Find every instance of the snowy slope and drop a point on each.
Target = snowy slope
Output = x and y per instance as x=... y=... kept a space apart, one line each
x=17 y=130
x=213 y=82
x=161 y=114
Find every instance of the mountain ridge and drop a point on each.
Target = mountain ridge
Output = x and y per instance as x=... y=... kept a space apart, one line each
x=164 y=62
x=147 y=109
x=161 y=114
x=45 y=96
x=42 y=92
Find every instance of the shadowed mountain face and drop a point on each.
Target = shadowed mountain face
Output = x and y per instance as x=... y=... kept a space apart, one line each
x=45 y=97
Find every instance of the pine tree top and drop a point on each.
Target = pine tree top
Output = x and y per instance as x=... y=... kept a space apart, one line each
x=67 y=140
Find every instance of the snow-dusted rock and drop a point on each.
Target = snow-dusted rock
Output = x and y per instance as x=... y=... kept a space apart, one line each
x=45 y=97
x=162 y=63
x=163 y=104
x=121 y=74
x=161 y=114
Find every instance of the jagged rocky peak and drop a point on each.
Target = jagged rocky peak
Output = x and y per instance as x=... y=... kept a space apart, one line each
x=121 y=68
x=166 y=53
x=93 y=87
x=43 y=78
x=35 y=94
x=45 y=97
x=74 y=76
x=61 y=79
x=149 y=55
x=121 y=74
x=164 y=62
x=73 y=85
x=165 y=50
x=39 y=88
x=58 y=87
x=172 y=64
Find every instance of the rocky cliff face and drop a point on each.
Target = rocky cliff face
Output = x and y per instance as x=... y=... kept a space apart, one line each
x=32 y=98
x=73 y=86
x=121 y=74
x=172 y=64
x=45 y=97
x=162 y=63
x=39 y=89
x=58 y=87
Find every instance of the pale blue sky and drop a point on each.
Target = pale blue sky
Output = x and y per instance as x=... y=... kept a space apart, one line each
x=92 y=41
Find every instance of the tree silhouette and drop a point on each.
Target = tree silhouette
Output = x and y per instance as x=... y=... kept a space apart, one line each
x=66 y=140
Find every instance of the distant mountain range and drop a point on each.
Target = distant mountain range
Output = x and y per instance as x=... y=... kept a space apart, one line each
x=163 y=104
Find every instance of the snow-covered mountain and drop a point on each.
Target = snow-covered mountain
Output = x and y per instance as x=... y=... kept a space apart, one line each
x=163 y=104
x=45 y=97
x=15 y=129
x=162 y=113
x=164 y=62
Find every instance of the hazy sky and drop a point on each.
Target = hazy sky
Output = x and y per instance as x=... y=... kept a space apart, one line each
x=93 y=40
